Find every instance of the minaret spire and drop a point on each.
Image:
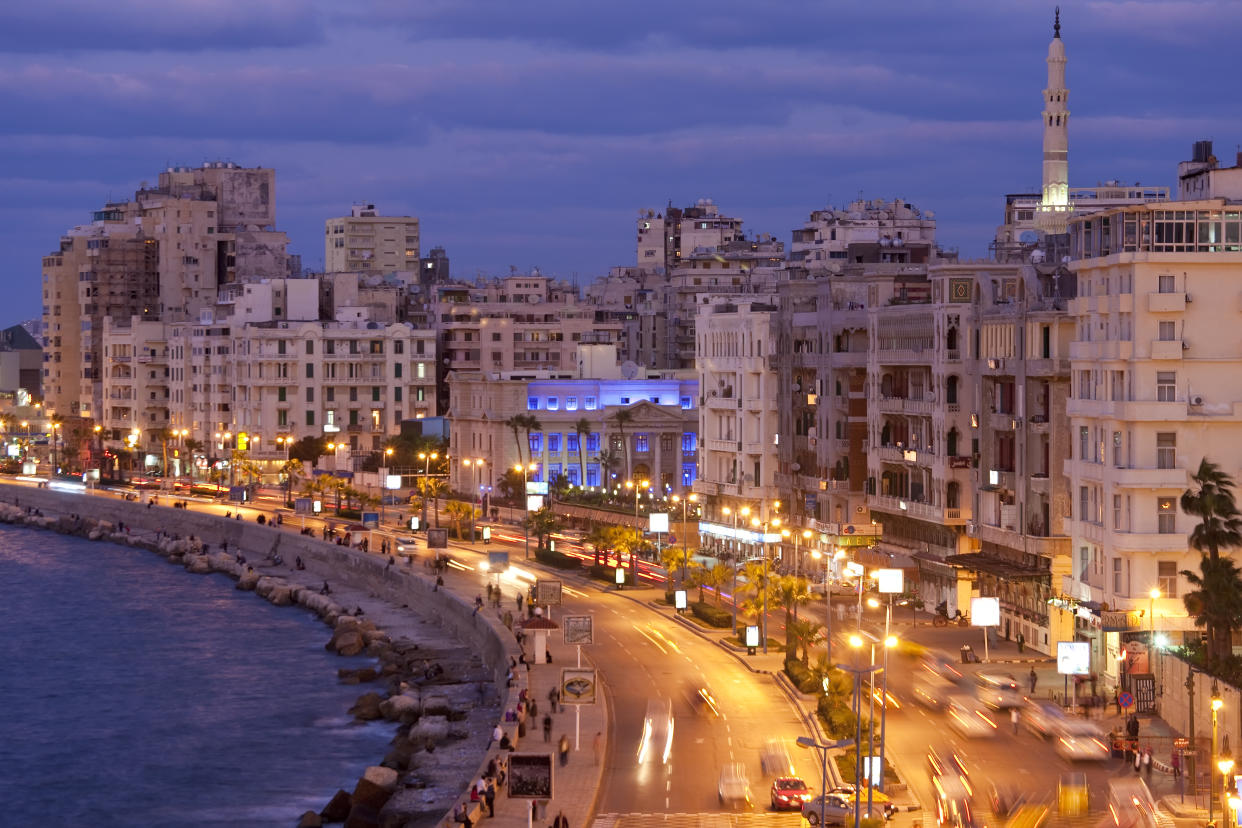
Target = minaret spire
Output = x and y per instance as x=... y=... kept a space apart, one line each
x=1056 y=27
x=1055 y=203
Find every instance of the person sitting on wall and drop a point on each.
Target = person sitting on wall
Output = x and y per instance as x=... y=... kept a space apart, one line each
x=326 y=590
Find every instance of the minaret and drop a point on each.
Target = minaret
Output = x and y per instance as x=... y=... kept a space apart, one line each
x=1055 y=196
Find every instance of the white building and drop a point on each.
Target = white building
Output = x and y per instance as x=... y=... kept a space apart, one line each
x=367 y=242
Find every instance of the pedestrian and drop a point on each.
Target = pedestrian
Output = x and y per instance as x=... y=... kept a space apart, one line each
x=1147 y=764
x=1138 y=760
x=596 y=745
x=1176 y=763
x=1033 y=678
x=498 y=733
x=463 y=816
x=561 y=820
x=547 y=727
x=1013 y=717
x=552 y=700
x=519 y=603
x=563 y=748
x=489 y=796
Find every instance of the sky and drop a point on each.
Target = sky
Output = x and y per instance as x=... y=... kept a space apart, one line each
x=530 y=134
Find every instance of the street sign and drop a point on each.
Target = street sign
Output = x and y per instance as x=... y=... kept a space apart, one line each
x=889 y=580
x=657 y=522
x=497 y=561
x=370 y=520
x=578 y=629
x=548 y=592
x=1126 y=700
x=1181 y=743
x=302 y=506
x=530 y=776
x=1073 y=658
x=577 y=685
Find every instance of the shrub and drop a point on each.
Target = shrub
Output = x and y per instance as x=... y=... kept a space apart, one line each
x=712 y=615
x=801 y=676
x=557 y=559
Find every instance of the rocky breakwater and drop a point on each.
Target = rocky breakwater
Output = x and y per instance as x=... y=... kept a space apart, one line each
x=438 y=694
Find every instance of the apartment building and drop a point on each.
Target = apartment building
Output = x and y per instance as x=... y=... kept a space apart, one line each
x=888 y=232
x=656 y=439
x=367 y=242
x=1155 y=367
x=665 y=237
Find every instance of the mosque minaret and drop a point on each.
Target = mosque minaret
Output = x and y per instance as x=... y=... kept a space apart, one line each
x=1054 y=205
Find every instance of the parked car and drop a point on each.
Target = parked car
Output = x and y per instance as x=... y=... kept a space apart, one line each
x=788 y=793
x=838 y=809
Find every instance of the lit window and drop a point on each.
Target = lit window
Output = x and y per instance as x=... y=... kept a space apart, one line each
x=589 y=404
x=554 y=404
x=571 y=403
x=532 y=403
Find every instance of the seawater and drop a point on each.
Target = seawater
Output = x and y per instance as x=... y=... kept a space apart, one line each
x=135 y=693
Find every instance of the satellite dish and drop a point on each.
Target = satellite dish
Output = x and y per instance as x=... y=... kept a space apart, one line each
x=629 y=370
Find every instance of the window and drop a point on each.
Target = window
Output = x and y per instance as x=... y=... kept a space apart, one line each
x=571 y=403
x=688 y=439
x=687 y=403
x=1166 y=515
x=573 y=473
x=353 y=395
x=1168 y=331
x=1166 y=578
x=687 y=475
x=1116 y=511
x=1084 y=443
x=571 y=442
x=1117 y=450
x=592 y=478
x=421 y=372
x=641 y=443
x=1118 y=582
x=554 y=404
x=396 y=394
x=310 y=394
x=282 y=417
x=532 y=403
x=1166 y=450
x=590 y=404
x=310 y=346
x=329 y=394
x=666 y=442
x=593 y=442
x=310 y=418
x=396 y=371
x=310 y=370
x=398 y=346
x=1084 y=504
x=280 y=347
x=1084 y=559
x=280 y=393
x=1084 y=385
x=536 y=442
x=1166 y=283
x=625 y=400
x=1166 y=386
x=554 y=443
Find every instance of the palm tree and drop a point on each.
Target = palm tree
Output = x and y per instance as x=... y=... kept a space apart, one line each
x=542 y=523
x=291 y=470
x=713 y=578
x=802 y=635
x=583 y=429
x=459 y=511
x=1215 y=603
x=670 y=559
x=515 y=423
x=788 y=591
x=192 y=447
x=530 y=423
x=623 y=418
x=600 y=539
x=1220 y=525
x=607 y=460
x=758 y=581
x=433 y=488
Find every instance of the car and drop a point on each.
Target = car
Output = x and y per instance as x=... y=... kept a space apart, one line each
x=968 y=720
x=1044 y=718
x=838 y=809
x=703 y=701
x=788 y=793
x=656 y=742
x=931 y=691
x=1081 y=748
x=407 y=545
x=951 y=765
x=1004 y=797
x=733 y=787
x=999 y=691
x=953 y=808
x=774 y=759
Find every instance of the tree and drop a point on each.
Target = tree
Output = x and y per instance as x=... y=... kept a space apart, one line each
x=583 y=429
x=1216 y=603
x=623 y=418
x=308 y=449
x=530 y=423
x=801 y=635
x=758 y=583
x=670 y=559
x=515 y=423
x=433 y=488
x=542 y=523
x=1220 y=526
x=713 y=578
x=607 y=462
x=192 y=447
x=459 y=511
x=789 y=591
x=291 y=470
x=600 y=539
x=511 y=486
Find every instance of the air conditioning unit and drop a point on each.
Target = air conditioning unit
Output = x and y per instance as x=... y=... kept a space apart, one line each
x=1196 y=400
x=972 y=529
x=1189 y=299
x=1185 y=345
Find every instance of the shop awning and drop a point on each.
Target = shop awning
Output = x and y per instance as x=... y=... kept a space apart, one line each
x=980 y=562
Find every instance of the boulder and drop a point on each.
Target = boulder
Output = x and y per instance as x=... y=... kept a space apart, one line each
x=436 y=704
x=432 y=729
x=197 y=564
x=280 y=596
x=363 y=816
x=371 y=795
x=396 y=707
x=337 y=808
x=310 y=819
x=385 y=778
x=247 y=581
x=347 y=643
x=367 y=708
x=264 y=586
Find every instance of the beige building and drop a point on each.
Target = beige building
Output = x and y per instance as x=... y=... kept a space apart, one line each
x=366 y=242
x=1155 y=363
x=665 y=238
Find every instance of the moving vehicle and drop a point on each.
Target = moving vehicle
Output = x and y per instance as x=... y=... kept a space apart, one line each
x=838 y=809
x=1004 y=797
x=774 y=759
x=704 y=702
x=1044 y=718
x=999 y=691
x=656 y=742
x=967 y=719
x=952 y=765
x=931 y=691
x=953 y=808
x=733 y=787
x=406 y=546
x=1082 y=748
x=1130 y=804
x=788 y=793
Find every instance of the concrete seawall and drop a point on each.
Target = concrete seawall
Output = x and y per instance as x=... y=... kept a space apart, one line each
x=402 y=589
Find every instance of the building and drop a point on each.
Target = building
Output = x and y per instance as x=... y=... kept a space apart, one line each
x=21 y=362
x=873 y=231
x=1155 y=391
x=635 y=424
x=366 y=242
x=663 y=238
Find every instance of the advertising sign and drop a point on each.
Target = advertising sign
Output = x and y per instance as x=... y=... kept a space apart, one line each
x=536 y=487
x=497 y=561
x=317 y=506
x=302 y=506
x=578 y=629
x=890 y=580
x=548 y=593
x=437 y=539
x=370 y=520
x=415 y=523
x=577 y=685
x=1136 y=657
x=530 y=776
x=487 y=534
x=985 y=612
x=392 y=481
x=657 y=522
x=1074 y=658
x=238 y=494
x=679 y=599
x=534 y=502
x=752 y=636
x=873 y=770
x=620 y=575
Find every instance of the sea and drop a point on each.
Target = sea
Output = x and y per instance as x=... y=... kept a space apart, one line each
x=135 y=693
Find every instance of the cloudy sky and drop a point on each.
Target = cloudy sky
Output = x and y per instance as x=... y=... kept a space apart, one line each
x=530 y=133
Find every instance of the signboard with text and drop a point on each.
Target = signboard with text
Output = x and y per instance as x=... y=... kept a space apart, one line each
x=370 y=520
x=530 y=775
x=578 y=629
x=1073 y=658
x=547 y=592
x=985 y=612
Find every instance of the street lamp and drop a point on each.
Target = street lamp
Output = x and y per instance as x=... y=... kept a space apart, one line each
x=744 y=512
x=685 y=544
x=525 y=502
x=1217 y=704
x=638 y=488
x=1225 y=765
x=808 y=742
x=1151 y=614
x=763 y=547
x=856 y=644
x=477 y=463
x=426 y=458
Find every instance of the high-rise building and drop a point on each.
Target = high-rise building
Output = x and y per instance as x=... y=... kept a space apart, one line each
x=367 y=242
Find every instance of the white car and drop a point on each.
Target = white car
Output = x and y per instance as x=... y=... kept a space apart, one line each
x=734 y=787
x=1000 y=691
x=774 y=759
x=1082 y=748
x=406 y=546
x=968 y=720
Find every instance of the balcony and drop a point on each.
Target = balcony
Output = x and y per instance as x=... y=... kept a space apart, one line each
x=1167 y=349
x=730 y=446
x=1150 y=478
x=1166 y=302
x=1047 y=367
x=889 y=454
x=718 y=403
x=889 y=405
x=849 y=359
x=905 y=356
x=953 y=516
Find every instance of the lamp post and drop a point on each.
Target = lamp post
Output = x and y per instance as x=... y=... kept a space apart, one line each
x=744 y=512
x=856 y=643
x=763 y=546
x=55 y=429
x=1151 y=614
x=685 y=546
x=26 y=447
x=477 y=463
x=426 y=458
x=526 y=503
x=1225 y=764
x=808 y=742
x=1217 y=704
x=384 y=483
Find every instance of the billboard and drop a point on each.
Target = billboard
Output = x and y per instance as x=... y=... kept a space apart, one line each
x=534 y=502
x=536 y=487
x=578 y=629
x=679 y=599
x=578 y=685
x=302 y=506
x=530 y=776
x=985 y=612
x=497 y=561
x=1074 y=658
x=657 y=522
x=547 y=593
x=889 y=580
x=437 y=539
x=392 y=481
x=370 y=519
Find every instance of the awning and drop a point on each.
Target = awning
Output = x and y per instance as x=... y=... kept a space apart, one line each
x=980 y=562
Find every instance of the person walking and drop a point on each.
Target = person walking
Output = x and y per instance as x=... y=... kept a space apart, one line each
x=547 y=727
x=1176 y=763
x=561 y=820
x=596 y=745
x=563 y=749
x=1013 y=717
x=1033 y=679
x=489 y=796
x=1147 y=764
